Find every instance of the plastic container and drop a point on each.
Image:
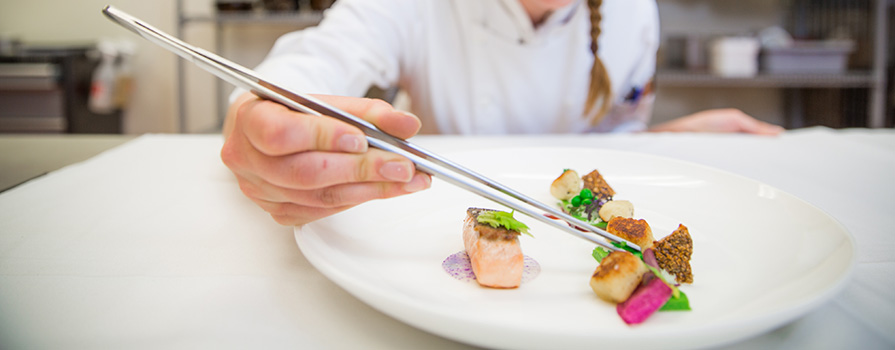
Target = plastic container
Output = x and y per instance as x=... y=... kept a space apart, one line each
x=735 y=57
x=829 y=56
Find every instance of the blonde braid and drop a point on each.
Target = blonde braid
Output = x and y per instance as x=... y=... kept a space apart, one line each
x=600 y=86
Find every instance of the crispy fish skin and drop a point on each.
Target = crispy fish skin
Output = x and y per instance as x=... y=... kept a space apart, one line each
x=636 y=231
x=598 y=185
x=673 y=254
x=617 y=276
x=494 y=252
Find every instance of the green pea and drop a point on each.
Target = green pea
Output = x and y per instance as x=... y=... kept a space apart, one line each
x=586 y=193
x=586 y=201
x=576 y=201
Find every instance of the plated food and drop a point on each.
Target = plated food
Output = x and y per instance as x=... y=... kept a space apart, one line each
x=491 y=239
x=617 y=276
x=386 y=254
x=640 y=282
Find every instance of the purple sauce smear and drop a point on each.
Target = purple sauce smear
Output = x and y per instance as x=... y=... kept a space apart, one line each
x=457 y=265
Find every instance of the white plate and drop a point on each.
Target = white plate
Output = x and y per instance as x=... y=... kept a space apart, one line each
x=761 y=257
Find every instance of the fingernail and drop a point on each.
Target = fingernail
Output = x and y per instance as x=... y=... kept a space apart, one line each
x=353 y=143
x=407 y=113
x=418 y=183
x=396 y=171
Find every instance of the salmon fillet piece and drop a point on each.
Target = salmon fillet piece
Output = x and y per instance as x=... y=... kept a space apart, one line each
x=494 y=252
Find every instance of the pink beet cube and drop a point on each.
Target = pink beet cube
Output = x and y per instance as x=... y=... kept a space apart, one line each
x=645 y=300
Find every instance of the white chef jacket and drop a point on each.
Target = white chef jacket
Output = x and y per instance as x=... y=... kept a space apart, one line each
x=477 y=66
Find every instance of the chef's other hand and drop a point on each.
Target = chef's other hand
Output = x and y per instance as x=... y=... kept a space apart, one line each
x=300 y=168
x=719 y=120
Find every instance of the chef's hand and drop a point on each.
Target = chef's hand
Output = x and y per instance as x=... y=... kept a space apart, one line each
x=719 y=120
x=300 y=168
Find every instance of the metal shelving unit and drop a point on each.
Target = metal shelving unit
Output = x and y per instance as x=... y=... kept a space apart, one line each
x=684 y=78
x=302 y=18
x=873 y=78
x=297 y=18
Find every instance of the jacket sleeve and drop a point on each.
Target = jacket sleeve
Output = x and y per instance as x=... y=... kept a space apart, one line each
x=359 y=43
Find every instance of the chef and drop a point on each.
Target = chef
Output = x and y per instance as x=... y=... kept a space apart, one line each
x=467 y=67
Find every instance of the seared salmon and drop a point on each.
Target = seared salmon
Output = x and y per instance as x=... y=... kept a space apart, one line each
x=494 y=252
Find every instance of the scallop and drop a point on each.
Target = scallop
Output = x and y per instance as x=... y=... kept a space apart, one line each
x=567 y=185
x=619 y=208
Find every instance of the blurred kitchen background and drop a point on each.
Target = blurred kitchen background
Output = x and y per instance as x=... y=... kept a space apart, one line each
x=64 y=68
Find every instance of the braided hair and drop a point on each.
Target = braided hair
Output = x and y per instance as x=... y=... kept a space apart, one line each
x=600 y=87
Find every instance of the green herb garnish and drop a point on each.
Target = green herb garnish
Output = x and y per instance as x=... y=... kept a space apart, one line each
x=677 y=303
x=625 y=246
x=496 y=218
x=599 y=253
x=579 y=212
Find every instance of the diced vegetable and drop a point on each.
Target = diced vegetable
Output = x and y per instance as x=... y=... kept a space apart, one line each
x=645 y=300
x=649 y=257
x=677 y=302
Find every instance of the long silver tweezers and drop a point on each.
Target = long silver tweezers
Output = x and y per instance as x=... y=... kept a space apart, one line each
x=424 y=160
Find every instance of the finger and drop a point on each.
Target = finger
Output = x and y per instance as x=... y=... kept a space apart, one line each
x=288 y=213
x=275 y=130
x=763 y=128
x=294 y=214
x=309 y=170
x=749 y=124
x=334 y=196
x=394 y=122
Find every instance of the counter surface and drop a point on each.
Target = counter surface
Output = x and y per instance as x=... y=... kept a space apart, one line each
x=150 y=244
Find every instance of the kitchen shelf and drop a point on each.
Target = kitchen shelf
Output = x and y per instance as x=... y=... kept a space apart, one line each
x=687 y=78
x=305 y=17
x=299 y=18
x=867 y=20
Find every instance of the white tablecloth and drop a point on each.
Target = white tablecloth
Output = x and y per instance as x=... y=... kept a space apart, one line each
x=151 y=245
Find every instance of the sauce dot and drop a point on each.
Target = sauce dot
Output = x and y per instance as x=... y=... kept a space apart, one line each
x=457 y=265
